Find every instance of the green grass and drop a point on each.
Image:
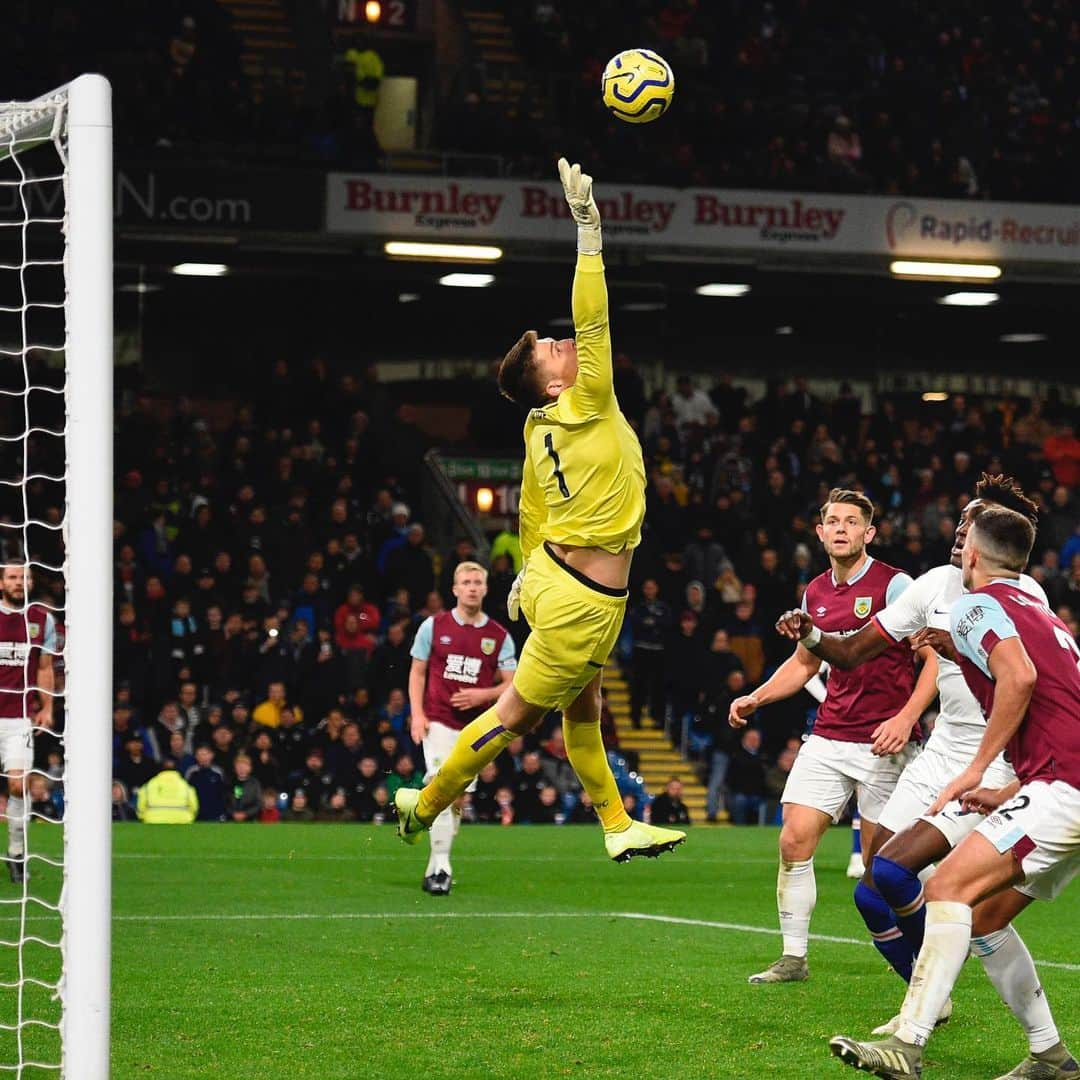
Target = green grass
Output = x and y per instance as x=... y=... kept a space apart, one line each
x=295 y=951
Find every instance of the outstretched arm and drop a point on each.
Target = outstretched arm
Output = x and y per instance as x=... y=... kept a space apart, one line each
x=593 y=389
x=789 y=678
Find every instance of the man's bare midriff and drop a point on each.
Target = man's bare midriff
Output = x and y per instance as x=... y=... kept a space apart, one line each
x=610 y=569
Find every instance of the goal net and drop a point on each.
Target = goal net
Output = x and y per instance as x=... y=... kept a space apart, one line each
x=55 y=538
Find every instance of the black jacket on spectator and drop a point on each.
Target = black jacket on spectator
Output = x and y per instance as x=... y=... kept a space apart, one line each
x=209 y=785
x=746 y=773
x=669 y=811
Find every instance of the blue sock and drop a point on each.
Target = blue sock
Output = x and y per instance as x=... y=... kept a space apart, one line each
x=856 y=835
x=903 y=892
x=888 y=938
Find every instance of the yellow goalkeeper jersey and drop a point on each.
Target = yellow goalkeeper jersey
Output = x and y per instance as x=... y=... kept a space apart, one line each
x=583 y=483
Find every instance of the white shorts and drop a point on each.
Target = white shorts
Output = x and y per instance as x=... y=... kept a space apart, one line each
x=1040 y=825
x=827 y=771
x=920 y=785
x=16 y=749
x=438 y=742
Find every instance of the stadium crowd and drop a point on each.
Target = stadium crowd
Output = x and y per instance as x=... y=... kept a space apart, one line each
x=907 y=98
x=272 y=567
x=271 y=572
x=910 y=98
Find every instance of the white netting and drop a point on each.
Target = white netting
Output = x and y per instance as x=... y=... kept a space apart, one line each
x=33 y=510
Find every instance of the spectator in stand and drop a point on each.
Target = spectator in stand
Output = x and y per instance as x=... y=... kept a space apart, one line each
x=360 y=789
x=650 y=624
x=243 y=800
x=746 y=785
x=557 y=769
x=167 y=799
x=746 y=640
x=691 y=404
x=208 y=782
x=410 y=566
x=684 y=664
x=134 y=769
x=269 y=811
x=363 y=632
x=122 y=810
x=313 y=779
x=669 y=808
x=405 y=775
x=390 y=664
x=268 y=713
x=299 y=808
x=530 y=782
x=1062 y=451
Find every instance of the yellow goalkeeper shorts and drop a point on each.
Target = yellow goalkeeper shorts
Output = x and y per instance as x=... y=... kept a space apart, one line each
x=575 y=623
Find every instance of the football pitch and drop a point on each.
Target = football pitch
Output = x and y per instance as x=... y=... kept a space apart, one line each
x=293 y=951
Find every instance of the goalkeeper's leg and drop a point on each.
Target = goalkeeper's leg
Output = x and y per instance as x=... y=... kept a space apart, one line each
x=479 y=742
x=623 y=837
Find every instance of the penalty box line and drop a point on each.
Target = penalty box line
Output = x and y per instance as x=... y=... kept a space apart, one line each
x=638 y=916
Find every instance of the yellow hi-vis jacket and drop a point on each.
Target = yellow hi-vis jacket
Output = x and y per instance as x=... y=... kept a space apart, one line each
x=167 y=799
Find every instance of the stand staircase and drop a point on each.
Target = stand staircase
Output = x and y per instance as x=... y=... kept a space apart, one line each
x=658 y=760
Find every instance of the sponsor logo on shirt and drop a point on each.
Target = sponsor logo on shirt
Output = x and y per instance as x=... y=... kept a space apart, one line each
x=445 y=639
x=487 y=645
x=462 y=668
x=965 y=625
x=13 y=653
x=863 y=604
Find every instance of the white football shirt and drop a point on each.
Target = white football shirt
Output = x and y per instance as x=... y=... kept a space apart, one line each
x=960 y=723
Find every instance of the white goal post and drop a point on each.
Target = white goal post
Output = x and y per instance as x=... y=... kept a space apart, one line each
x=77 y=121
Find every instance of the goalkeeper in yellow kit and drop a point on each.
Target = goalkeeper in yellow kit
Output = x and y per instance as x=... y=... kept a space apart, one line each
x=582 y=503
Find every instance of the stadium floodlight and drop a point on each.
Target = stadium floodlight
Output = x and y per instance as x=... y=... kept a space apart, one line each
x=954 y=271
x=56 y=169
x=723 y=288
x=467 y=281
x=935 y=395
x=644 y=305
x=1022 y=339
x=197 y=269
x=420 y=249
x=969 y=299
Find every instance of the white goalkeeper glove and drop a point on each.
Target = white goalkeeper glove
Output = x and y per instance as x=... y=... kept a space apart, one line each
x=579 y=197
x=513 y=599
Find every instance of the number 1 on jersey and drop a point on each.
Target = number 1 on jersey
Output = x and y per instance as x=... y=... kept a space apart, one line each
x=554 y=455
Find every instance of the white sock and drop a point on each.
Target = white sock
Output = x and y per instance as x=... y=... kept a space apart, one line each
x=943 y=952
x=442 y=836
x=1012 y=971
x=16 y=822
x=796 y=895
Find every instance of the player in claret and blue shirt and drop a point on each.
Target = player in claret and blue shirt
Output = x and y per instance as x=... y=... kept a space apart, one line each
x=863 y=734
x=1023 y=667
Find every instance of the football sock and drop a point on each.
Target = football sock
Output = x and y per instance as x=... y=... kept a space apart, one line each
x=903 y=892
x=16 y=822
x=856 y=835
x=442 y=836
x=888 y=938
x=479 y=742
x=944 y=950
x=1012 y=971
x=585 y=749
x=796 y=895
